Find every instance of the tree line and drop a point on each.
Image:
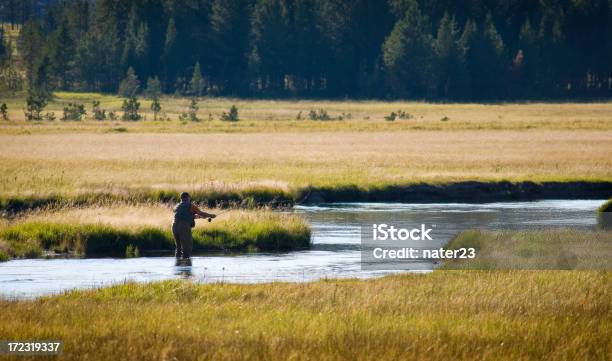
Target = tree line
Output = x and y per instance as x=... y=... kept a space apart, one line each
x=444 y=49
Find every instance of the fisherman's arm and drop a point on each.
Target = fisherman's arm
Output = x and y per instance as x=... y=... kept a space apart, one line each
x=201 y=214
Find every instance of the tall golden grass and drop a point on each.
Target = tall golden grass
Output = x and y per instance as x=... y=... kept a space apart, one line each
x=446 y=315
x=74 y=163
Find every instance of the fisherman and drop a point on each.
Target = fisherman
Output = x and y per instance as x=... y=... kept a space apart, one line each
x=185 y=214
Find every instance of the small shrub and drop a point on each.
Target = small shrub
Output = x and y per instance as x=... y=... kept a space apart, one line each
x=132 y=251
x=299 y=116
x=35 y=104
x=155 y=107
x=345 y=116
x=4 y=257
x=232 y=116
x=112 y=115
x=50 y=116
x=98 y=113
x=191 y=114
x=444 y=119
x=320 y=115
x=400 y=114
x=74 y=111
x=130 y=109
x=391 y=117
x=4 y=111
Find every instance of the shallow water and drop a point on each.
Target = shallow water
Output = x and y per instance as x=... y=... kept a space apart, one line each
x=334 y=254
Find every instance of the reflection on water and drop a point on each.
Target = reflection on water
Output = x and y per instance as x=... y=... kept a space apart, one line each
x=334 y=254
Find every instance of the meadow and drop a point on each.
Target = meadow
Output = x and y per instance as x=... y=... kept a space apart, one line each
x=72 y=164
x=445 y=315
x=133 y=231
x=292 y=115
x=269 y=156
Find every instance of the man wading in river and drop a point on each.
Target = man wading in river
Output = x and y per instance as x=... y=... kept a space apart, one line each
x=185 y=214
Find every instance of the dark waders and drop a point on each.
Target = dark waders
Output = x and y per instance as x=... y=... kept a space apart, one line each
x=182 y=237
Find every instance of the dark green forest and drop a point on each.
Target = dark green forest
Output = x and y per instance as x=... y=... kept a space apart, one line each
x=438 y=50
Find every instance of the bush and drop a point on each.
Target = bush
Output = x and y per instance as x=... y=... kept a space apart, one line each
x=192 y=113
x=74 y=111
x=50 y=116
x=4 y=257
x=130 y=109
x=35 y=104
x=155 y=107
x=4 y=111
x=400 y=114
x=320 y=115
x=232 y=116
x=98 y=113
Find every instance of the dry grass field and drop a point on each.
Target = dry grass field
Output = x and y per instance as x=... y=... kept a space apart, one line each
x=445 y=315
x=281 y=116
x=72 y=163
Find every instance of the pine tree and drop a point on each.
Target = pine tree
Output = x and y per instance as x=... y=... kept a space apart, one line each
x=4 y=50
x=29 y=43
x=407 y=54
x=196 y=85
x=270 y=37
x=155 y=107
x=169 y=53
x=485 y=60
x=450 y=72
x=130 y=109
x=41 y=78
x=153 y=88
x=130 y=85
x=229 y=23
x=35 y=104
x=61 y=53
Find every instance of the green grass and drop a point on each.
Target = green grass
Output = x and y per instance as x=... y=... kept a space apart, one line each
x=543 y=249
x=606 y=207
x=264 y=231
x=248 y=198
x=446 y=315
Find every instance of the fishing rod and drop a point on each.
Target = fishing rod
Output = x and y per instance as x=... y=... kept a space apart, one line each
x=273 y=202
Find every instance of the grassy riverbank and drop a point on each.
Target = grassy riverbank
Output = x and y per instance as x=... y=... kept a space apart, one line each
x=133 y=231
x=446 y=315
x=541 y=249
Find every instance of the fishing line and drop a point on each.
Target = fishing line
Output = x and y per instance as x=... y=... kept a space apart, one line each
x=271 y=203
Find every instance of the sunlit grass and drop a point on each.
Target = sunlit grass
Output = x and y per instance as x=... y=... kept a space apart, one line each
x=446 y=315
x=541 y=249
x=123 y=163
x=281 y=115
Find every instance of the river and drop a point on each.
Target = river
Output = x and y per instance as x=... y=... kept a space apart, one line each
x=335 y=251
